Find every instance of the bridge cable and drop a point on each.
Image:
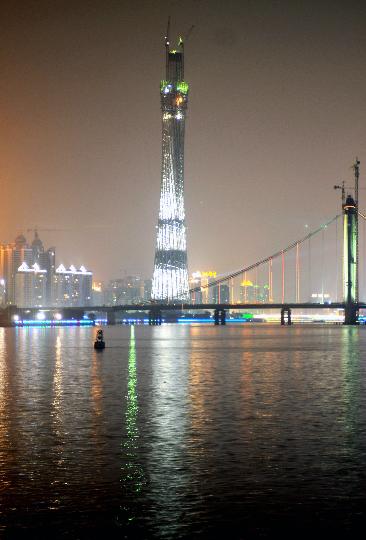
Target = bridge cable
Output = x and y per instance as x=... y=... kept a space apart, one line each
x=266 y=259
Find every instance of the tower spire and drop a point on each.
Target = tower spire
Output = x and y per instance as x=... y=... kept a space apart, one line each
x=167 y=44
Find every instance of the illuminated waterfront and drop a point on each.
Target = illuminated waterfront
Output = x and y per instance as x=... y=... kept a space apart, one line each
x=180 y=431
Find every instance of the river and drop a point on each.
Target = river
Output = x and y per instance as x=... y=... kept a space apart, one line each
x=182 y=431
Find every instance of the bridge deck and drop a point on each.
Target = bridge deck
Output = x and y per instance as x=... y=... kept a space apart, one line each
x=193 y=307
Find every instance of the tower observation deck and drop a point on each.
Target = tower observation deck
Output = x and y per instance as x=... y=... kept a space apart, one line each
x=170 y=279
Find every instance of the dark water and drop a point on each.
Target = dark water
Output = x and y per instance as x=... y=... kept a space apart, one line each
x=182 y=432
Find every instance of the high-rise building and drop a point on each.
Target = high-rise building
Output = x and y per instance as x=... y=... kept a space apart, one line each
x=72 y=287
x=147 y=290
x=97 y=294
x=195 y=283
x=221 y=294
x=170 y=278
x=127 y=290
x=30 y=286
x=29 y=278
x=47 y=260
x=2 y=292
x=37 y=247
x=11 y=257
x=202 y=279
x=253 y=293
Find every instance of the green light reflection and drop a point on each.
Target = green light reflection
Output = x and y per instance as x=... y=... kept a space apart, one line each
x=352 y=377
x=132 y=472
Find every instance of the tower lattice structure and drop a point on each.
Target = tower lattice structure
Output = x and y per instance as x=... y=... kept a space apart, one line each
x=170 y=279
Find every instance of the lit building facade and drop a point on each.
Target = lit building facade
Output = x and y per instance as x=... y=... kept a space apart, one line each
x=30 y=286
x=202 y=279
x=147 y=290
x=221 y=294
x=252 y=293
x=2 y=292
x=170 y=278
x=11 y=257
x=29 y=278
x=127 y=290
x=72 y=287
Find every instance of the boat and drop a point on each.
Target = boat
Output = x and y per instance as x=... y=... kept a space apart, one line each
x=99 y=343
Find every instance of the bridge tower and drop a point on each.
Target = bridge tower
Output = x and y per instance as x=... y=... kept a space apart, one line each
x=350 y=267
x=170 y=278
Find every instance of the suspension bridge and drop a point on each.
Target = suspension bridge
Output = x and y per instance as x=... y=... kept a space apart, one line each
x=319 y=271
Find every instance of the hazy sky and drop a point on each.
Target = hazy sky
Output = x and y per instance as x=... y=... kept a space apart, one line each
x=277 y=114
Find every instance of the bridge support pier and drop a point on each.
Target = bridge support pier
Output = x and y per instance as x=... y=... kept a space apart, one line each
x=286 y=314
x=111 y=318
x=7 y=316
x=155 y=317
x=351 y=314
x=219 y=317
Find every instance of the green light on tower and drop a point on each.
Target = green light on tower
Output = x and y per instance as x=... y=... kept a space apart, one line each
x=182 y=87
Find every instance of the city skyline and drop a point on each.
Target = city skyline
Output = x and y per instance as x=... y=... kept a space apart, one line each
x=270 y=120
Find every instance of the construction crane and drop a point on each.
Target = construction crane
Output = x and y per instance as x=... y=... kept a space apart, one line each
x=36 y=229
x=343 y=189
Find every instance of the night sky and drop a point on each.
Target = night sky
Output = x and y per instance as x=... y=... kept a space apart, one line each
x=276 y=116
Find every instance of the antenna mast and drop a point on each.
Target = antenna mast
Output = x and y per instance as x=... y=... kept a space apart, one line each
x=167 y=43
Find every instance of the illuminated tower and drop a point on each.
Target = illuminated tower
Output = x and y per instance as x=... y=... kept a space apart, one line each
x=170 y=279
x=350 y=251
x=350 y=260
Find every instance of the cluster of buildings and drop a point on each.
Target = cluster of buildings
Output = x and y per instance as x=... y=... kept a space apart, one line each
x=222 y=293
x=126 y=290
x=135 y=290
x=29 y=277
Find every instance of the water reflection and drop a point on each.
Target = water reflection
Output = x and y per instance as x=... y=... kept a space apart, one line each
x=132 y=473
x=57 y=419
x=351 y=381
x=57 y=389
x=180 y=432
x=4 y=428
x=168 y=468
x=96 y=384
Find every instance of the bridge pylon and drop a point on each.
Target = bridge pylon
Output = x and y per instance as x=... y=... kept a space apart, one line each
x=219 y=317
x=350 y=260
x=286 y=316
x=155 y=317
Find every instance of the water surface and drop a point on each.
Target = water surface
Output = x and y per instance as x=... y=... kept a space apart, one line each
x=182 y=431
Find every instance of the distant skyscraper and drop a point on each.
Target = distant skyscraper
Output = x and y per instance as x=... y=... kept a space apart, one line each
x=28 y=277
x=170 y=279
x=72 y=287
x=11 y=257
x=30 y=286
x=221 y=294
x=37 y=247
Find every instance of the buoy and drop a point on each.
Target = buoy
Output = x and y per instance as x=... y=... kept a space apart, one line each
x=99 y=343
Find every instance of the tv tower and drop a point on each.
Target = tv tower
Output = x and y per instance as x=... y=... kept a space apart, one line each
x=170 y=279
